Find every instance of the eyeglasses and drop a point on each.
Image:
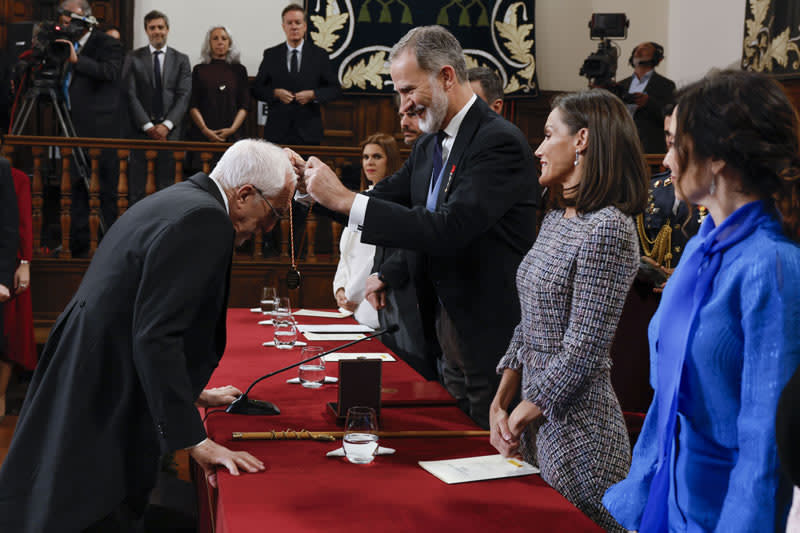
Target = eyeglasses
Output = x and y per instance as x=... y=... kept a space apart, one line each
x=277 y=214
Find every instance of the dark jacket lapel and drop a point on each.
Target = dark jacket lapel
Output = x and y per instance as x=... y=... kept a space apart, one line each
x=466 y=132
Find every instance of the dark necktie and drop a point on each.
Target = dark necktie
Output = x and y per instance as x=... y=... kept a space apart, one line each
x=158 y=98
x=437 y=158
x=293 y=62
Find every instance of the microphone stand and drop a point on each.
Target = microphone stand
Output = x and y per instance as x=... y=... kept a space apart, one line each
x=247 y=406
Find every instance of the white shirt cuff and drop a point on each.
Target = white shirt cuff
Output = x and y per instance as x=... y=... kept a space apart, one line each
x=358 y=211
x=147 y=126
x=168 y=123
x=196 y=445
x=304 y=199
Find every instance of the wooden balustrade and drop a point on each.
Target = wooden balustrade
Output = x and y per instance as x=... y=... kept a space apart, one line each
x=34 y=154
x=31 y=153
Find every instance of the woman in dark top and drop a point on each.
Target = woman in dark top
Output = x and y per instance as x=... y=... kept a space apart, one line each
x=220 y=91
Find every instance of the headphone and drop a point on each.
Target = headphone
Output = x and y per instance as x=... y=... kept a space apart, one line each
x=658 y=55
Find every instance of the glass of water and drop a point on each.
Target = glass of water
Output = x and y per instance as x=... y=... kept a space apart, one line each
x=285 y=334
x=283 y=311
x=268 y=297
x=312 y=374
x=361 y=435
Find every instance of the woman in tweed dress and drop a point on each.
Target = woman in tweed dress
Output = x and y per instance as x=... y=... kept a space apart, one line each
x=572 y=286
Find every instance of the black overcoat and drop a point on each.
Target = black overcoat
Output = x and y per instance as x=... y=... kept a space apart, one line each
x=125 y=361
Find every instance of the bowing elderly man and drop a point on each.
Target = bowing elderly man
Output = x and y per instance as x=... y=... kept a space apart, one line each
x=127 y=359
x=464 y=205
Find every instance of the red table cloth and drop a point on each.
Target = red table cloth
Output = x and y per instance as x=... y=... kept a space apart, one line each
x=303 y=490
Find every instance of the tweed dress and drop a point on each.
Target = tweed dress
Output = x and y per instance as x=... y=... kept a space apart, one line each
x=572 y=285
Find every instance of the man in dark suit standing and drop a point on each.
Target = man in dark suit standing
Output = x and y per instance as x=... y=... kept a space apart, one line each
x=294 y=78
x=650 y=92
x=118 y=379
x=464 y=202
x=94 y=100
x=159 y=85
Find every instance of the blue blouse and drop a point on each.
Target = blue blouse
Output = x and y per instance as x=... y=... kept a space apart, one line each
x=724 y=474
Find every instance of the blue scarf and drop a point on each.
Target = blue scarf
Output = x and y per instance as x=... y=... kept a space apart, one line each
x=688 y=288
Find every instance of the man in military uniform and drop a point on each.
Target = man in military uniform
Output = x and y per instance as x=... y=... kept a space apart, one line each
x=667 y=223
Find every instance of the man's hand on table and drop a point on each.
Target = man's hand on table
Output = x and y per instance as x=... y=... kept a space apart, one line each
x=218 y=396
x=208 y=454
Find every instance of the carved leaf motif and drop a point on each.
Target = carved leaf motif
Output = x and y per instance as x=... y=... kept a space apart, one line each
x=365 y=72
x=328 y=25
x=515 y=38
x=779 y=49
x=513 y=86
x=471 y=62
x=759 y=10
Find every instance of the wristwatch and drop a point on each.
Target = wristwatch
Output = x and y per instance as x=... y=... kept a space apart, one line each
x=24 y=262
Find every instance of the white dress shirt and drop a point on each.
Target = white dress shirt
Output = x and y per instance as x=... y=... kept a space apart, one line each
x=162 y=61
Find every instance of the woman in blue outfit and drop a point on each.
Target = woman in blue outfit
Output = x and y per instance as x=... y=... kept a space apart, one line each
x=724 y=340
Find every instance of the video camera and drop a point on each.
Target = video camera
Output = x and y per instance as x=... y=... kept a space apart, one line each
x=600 y=68
x=46 y=59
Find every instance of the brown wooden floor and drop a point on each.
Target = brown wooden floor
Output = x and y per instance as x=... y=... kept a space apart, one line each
x=6 y=432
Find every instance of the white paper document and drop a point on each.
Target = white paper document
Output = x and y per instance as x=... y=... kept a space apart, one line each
x=341 y=313
x=334 y=328
x=333 y=357
x=333 y=336
x=478 y=468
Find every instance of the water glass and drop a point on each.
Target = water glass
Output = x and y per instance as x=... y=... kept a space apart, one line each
x=283 y=311
x=268 y=297
x=361 y=435
x=285 y=334
x=312 y=373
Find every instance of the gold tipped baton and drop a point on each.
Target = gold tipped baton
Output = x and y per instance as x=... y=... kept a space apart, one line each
x=328 y=436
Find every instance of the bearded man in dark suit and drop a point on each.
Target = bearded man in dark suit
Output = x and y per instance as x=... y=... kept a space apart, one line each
x=118 y=378
x=294 y=78
x=464 y=203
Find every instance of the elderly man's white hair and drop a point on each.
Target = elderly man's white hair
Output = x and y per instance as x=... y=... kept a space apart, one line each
x=256 y=162
x=69 y=5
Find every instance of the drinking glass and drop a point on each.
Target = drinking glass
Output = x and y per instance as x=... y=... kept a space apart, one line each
x=283 y=311
x=285 y=334
x=268 y=297
x=312 y=374
x=360 y=435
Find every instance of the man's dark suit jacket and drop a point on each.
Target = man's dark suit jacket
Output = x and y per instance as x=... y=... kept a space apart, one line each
x=411 y=341
x=649 y=118
x=466 y=252
x=176 y=89
x=294 y=121
x=125 y=361
x=94 y=92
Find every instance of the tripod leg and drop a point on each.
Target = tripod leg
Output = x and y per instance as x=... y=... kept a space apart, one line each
x=24 y=113
x=78 y=154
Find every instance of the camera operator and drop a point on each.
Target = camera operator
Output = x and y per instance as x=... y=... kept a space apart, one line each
x=93 y=87
x=650 y=93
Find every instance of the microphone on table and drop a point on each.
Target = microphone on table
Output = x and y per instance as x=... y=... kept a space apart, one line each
x=247 y=406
